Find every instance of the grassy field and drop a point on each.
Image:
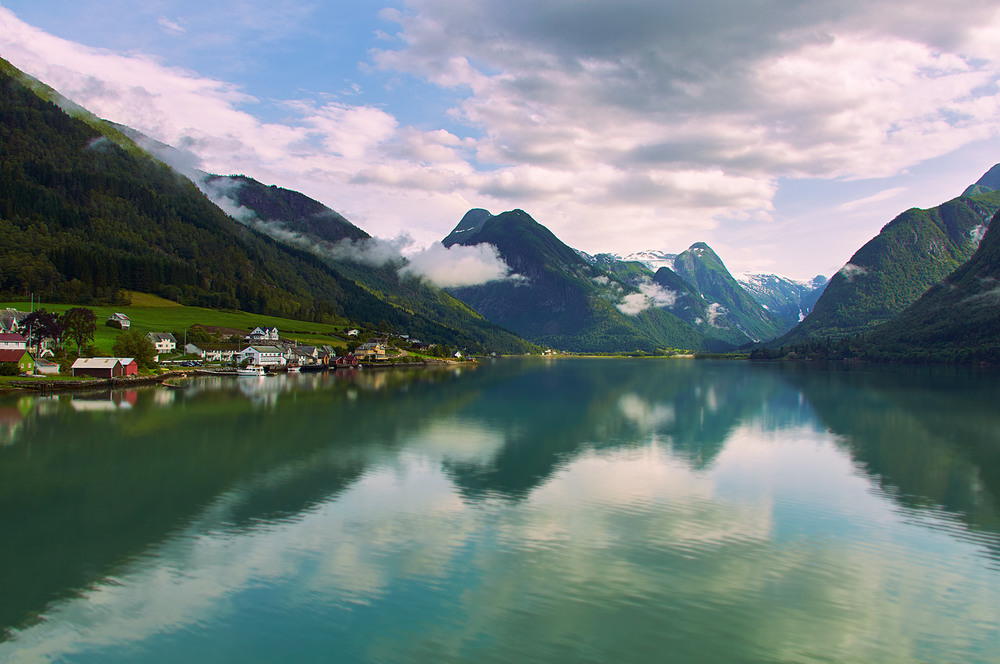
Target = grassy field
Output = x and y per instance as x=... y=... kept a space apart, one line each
x=150 y=313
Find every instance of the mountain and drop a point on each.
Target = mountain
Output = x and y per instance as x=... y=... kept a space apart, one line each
x=556 y=297
x=295 y=219
x=702 y=268
x=788 y=299
x=85 y=212
x=957 y=320
x=653 y=259
x=913 y=252
x=989 y=182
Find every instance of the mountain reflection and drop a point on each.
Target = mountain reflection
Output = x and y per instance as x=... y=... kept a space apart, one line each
x=90 y=484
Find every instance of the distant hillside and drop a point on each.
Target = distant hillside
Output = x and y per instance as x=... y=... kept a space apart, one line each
x=729 y=303
x=560 y=299
x=786 y=298
x=912 y=253
x=957 y=320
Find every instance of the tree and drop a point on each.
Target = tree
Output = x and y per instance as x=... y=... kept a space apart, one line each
x=132 y=343
x=42 y=325
x=80 y=325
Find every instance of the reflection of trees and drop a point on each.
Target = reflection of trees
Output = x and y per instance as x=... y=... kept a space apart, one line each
x=929 y=436
x=82 y=493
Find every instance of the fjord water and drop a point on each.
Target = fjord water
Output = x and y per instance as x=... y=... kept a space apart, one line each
x=518 y=511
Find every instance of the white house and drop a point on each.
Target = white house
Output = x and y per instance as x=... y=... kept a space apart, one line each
x=262 y=355
x=12 y=341
x=121 y=321
x=164 y=343
x=264 y=334
x=213 y=352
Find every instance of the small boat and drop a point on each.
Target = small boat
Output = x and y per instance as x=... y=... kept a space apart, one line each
x=312 y=368
x=250 y=371
x=293 y=368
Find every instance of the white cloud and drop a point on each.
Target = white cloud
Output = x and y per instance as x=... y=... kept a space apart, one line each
x=170 y=27
x=458 y=265
x=650 y=295
x=850 y=271
x=665 y=122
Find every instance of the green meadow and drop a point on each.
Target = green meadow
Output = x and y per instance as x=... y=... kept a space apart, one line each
x=150 y=313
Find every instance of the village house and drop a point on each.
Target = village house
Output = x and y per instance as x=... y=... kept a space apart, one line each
x=262 y=355
x=213 y=352
x=121 y=321
x=371 y=350
x=12 y=341
x=301 y=355
x=19 y=358
x=46 y=367
x=11 y=320
x=346 y=361
x=263 y=334
x=105 y=367
x=164 y=343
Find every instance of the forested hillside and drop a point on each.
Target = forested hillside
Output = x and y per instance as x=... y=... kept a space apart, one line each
x=82 y=217
x=913 y=252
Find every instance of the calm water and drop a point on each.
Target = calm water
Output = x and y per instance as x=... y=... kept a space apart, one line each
x=571 y=511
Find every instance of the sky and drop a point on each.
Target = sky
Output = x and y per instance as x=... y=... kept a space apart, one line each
x=784 y=133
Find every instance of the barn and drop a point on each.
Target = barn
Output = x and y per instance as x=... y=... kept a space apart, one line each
x=98 y=367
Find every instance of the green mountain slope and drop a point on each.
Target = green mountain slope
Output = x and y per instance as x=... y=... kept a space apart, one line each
x=912 y=253
x=295 y=219
x=82 y=217
x=989 y=182
x=957 y=320
x=730 y=305
x=559 y=299
x=290 y=210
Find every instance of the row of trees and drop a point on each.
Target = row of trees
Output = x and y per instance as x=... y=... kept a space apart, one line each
x=78 y=325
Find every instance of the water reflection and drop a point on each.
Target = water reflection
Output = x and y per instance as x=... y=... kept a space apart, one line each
x=605 y=511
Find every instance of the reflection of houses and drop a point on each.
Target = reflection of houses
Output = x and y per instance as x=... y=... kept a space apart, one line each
x=11 y=421
x=213 y=352
x=20 y=358
x=262 y=355
x=107 y=401
x=105 y=367
x=12 y=341
x=121 y=321
x=164 y=343
x=371 y=350
x=263 y=334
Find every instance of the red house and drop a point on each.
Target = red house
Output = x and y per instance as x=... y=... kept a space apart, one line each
x=347 y=361
x=106 y=367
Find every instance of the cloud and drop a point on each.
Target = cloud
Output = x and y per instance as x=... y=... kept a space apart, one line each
x=668 y=121
x=456 y=266
x=850 y=271
x=885 y=194
x=170 y=27
x=650 y=295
